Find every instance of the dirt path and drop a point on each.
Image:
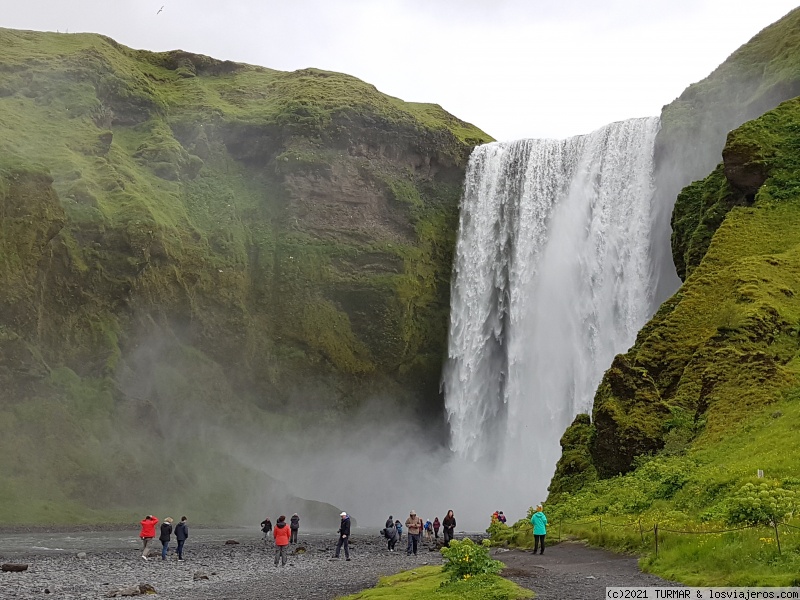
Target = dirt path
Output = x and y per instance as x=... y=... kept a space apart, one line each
x=573 y=571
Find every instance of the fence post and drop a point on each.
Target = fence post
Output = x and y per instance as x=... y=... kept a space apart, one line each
x=777 y=539
x=601 y=527
x=559 y=531
x=641 y=533
x=655 y=531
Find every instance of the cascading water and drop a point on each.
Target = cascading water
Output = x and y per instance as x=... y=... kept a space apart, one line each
x=551 y=280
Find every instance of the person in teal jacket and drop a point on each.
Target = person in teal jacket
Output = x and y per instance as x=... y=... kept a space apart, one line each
x=539 y=522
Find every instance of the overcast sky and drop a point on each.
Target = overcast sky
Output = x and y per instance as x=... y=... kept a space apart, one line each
x=514 y=68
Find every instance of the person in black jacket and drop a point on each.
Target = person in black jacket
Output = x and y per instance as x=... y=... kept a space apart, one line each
x=449 y=525
x=266 y=527
x=344 y=537
x=166 y=533
x=181 y=534
x=294 y=525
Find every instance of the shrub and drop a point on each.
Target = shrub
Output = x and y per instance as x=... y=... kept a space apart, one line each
x=466 y=559
x=762 y=505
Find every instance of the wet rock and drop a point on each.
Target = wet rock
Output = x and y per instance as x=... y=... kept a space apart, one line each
x=146 y=588
x=199 y=575
x=231 y=542
x=13 y=567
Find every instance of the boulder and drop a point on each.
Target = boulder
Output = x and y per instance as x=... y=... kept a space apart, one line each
x=13 y=567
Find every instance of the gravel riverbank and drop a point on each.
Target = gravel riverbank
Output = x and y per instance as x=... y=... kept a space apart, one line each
x=246 y=571
x=242 y=572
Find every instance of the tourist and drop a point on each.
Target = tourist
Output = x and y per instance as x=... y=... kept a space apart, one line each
x=344 y=535
x=181 y=534
x=294 y=525
x=428 y=529
x=266 y=527
x=281 y=535
x=436 y=526
x=390 y=532
x=414 y=526
x=449 y=526
x=539 y=522
x=166 y=534
x=399 y=526
x=501 y=517
x=147 y=533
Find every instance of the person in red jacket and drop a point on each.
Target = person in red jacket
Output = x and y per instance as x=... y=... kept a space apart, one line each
x=147 y=533
x=281 y=534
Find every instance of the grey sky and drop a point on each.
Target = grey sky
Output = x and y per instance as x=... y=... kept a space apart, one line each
x=515 y=68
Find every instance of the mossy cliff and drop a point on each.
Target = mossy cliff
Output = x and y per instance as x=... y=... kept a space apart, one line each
x=709 y=392
x=727 y=340
x=756 y=78
x=293 y=232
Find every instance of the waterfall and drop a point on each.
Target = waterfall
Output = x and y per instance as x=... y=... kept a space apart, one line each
x=551 y=279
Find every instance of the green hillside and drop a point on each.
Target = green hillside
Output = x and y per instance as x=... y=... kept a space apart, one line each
x=709 y=393
x=756 y=78
x=186 y=242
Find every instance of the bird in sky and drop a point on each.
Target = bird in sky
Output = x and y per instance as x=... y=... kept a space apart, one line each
x=159 y=10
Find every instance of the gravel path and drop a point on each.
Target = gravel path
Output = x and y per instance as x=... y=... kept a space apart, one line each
x=566 y=571
x=574 y=571
x=242 y=572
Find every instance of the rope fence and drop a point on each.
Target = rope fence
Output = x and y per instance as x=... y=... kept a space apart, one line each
x=655 y=529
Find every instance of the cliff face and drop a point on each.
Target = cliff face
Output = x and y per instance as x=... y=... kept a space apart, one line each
x=754 y=79
x=710 y=377
x=292 y=232
x=725 y=340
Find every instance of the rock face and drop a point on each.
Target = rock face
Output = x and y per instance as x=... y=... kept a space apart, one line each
x=720 y=349
x=754 y=79
x=181 y=232
x=724 y=348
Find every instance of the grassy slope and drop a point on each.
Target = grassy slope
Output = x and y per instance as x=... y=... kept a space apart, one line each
x=154 y=258
x=720 y=363
x=426 y=582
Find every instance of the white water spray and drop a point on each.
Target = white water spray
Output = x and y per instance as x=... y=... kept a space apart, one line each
x=551 y=281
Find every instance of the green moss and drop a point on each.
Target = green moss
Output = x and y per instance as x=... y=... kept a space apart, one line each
x=221 y=205
x=429 y=582
x=707 y=395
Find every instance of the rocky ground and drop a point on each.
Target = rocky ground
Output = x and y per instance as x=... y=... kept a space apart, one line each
x=246 y=571
x=243 y=572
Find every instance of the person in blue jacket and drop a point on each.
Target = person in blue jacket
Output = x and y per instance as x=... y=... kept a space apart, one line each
x=539 y=522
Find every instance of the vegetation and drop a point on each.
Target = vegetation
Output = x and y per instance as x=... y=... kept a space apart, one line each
x=179 y=233
x=432 y=583
x=708 y=395
x=753 y=80
x=465 y=559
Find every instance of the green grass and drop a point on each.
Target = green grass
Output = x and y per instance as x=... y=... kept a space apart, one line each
x=710 y=392
x=430 y=583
